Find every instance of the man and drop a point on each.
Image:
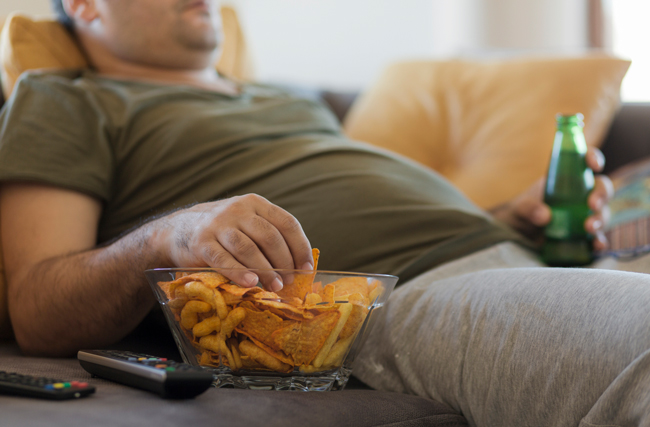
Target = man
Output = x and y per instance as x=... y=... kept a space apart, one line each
x=86 y=158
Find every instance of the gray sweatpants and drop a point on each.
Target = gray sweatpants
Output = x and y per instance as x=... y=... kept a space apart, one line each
x=507 y=342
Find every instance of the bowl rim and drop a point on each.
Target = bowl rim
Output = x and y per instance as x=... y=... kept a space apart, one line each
x=201 y=269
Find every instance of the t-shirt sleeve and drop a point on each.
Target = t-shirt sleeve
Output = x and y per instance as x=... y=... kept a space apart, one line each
x=52 y=132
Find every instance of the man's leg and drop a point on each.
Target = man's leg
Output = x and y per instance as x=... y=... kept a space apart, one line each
x=518 y=346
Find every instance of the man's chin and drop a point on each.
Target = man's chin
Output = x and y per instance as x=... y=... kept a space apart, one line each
x=205 y=37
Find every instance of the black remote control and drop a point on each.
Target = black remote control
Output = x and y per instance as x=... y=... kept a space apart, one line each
x=167 y=378
x=15 y=384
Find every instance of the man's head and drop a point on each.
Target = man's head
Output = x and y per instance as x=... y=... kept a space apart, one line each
x=170 y=34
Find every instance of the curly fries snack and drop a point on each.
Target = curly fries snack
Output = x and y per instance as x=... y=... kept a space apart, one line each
x=306 y=326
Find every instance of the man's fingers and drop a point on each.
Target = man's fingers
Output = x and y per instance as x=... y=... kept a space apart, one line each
x=534 y=211
x=595 y=159
x=214 y=255
x=270 y=241
x=293 y=234
x=598 y=221
x=602 y=192
x=234 y=249
x=600 y=242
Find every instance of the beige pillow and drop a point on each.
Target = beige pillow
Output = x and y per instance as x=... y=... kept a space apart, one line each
x=486 y=126
x=27 y=44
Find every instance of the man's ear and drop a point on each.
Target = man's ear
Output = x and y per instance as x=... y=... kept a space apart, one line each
x=81 y=10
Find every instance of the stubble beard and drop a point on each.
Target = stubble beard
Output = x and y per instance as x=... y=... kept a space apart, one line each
x=193 y=39
x=205 y=38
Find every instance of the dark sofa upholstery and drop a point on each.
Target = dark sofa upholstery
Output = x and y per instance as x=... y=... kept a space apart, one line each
x=628 y=139
x=117 y=405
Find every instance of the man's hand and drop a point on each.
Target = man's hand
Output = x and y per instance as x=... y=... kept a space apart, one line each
x=245 y=231
x=528 y=214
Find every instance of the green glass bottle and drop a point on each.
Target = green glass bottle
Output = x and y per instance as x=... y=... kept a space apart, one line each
x=568 y=184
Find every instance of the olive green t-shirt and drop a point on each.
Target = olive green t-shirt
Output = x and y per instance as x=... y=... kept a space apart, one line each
x=144 y=149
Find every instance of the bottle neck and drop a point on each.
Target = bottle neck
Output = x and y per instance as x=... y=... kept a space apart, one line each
x=570 y=134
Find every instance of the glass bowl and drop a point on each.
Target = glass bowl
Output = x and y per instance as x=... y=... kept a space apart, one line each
x=304 y=337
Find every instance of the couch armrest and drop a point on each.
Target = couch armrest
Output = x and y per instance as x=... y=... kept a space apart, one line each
x=628 y=138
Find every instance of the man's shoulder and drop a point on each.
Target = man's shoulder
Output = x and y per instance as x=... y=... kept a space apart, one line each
x=46 y=84
x=48 y=77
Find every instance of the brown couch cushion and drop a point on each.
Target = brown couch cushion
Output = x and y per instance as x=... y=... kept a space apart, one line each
x=486 y=126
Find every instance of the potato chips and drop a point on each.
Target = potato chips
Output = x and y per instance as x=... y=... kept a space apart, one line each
x=307 y=327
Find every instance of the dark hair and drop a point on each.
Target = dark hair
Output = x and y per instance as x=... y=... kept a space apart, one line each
x=61 y=16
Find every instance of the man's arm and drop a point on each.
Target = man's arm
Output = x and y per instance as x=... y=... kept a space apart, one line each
x=65 y=294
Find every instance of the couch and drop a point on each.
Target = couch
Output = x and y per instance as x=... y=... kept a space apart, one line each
x=627 y=140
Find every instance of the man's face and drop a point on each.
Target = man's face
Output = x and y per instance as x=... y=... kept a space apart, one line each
x=160 y=32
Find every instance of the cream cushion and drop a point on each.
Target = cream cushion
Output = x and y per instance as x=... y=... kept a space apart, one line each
x=486 y=126
x=27 y=44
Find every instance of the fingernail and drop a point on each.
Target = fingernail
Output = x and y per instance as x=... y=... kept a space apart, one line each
x=276 y=284
x=597 y=224
x=307 y=266
x=600 y=159
x=250 y=279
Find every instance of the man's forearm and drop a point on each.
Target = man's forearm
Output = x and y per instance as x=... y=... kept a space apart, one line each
x=87 y=299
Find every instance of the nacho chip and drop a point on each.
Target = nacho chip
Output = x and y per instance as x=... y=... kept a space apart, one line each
x=358 y=299
x=211 y=279
x=290 y=315
x=268 y=295
x=327 y=294
x=260 y=325
x=278 y=354
x=317 y=287
x=231 y=299
x=302 y=282
x=313 y=299
x=170 y=287
x=350 y=285
x=249 y=305
x=282 y=306
x=235 y=289
x=303 y=340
